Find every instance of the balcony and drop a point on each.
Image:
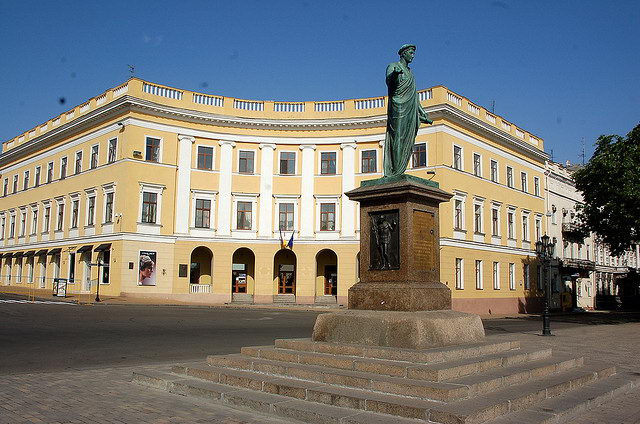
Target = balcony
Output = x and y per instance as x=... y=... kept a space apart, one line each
x=571 y=231
x=579 y=266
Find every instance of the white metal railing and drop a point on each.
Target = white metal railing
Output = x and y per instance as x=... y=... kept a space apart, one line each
x=473 y=109
x=156 y=90
x=288 y=107
x=43 y=128
x=199 y=288
x=519 y=133
x=101 y=99
x=84 y=107
x=208 y=100
x=56 y=121
x=329 y=106
x=20 y=139
x=32 y=133
x=533 y=140
x=71 y=114
x=248 y=105
x=119 y=91
x=370 y=103
x=454 y=99
x=506 y=126
x=425 y=95
x=491 y=118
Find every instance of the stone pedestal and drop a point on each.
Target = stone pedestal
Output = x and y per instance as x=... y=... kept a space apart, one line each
x=400 y=213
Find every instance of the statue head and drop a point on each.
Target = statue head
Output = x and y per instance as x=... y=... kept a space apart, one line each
x=407 y=51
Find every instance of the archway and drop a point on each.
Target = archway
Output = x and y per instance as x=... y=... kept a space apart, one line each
x=201 y=266
x=243 y=275
x=284 y=272
x=326 y=276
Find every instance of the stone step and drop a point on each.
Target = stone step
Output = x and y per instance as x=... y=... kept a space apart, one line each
x=520 y=396
x=439 y=371
x=427 y=356
x=457 y=389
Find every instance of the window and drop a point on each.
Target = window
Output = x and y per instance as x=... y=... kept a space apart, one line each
x=457 y=157
x=203 y=213
x=12 y=227
x=523 y=179
x=63 y=168
x=49 y=172
x=91 y=210
x=328 y=163
x=75 y=204
x=477 y=165
x=19 y=271
x=287 y=163
x=494 y=171
x=72 y=267
x=78 y=162
x=512 y=276
x=327 y=216
x=34 y=221
x=108 y=208
x=536 y=186
x=525 y=227
x=5 y=188
x=15 y=183
x=37 y=177
x=495 y=222
x=459 y=274
x=285 y=216
x=510 y=229
x=152 y=151
x=477 y=218
x=245 y=161
x=25 y=181
x=23 y=223
x=30 y=269
x=113 y=145
x=458 y=215
x=479 y=285
x=205 y=157
x=527 y=276
x=94 y=157
x=509 y=177
x=419 y=156
x=2 y=226
x=496 y=276
x=244 y=216
x=149 y=207
x=369 y=161
x=60 y=216
x=538 y=228
x=47 y=217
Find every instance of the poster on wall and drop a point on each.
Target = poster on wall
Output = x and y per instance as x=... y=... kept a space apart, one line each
x=147 y=274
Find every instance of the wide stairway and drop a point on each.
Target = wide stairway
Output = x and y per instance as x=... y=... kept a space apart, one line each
x=494 y=382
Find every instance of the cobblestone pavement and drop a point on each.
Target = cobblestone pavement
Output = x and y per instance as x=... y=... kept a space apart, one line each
x=106 y=395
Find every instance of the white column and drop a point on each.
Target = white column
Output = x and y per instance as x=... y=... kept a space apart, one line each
x=306 y=194
x=348 y=183
x=183 y=186
x=224 y=187
x=266 y=190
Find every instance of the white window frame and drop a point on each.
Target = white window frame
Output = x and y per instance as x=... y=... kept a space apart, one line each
x=66 y=168
x=378 y=167
x=512 y=232
x=478 y=202
x=3 y=225
x=524 y=187
x=12 y=224
x=106 y=189
x=23 y=223
x=255 y=161
x=536 y=186
x=497 y=179
x=116 y=149
x=320 y=174
x=34 y=228
x=497 y=207
x=512 y=276
x=509 y=181
x=496 y=275
x=46 y=229
x=479 y=265
x=426 y=155
x=146 y=227
x=285 y=198
x=26 y=175
x=295 y=162
x=97 y=156
x=37 y=174
x=480 y=173
x=160 y=148
x=538 y=227
x=75 y=160
x=53 y=170
x=30 y=262
x=327 y=234
x=245 y=197
x=213 y=157
x=72 y=197
x=203 y=195
x=90 y=192
x=524 y=216
x=453 y=153
x=459 y=273
x=462 y=197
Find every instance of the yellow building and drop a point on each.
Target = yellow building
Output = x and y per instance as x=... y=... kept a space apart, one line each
x=154 y=191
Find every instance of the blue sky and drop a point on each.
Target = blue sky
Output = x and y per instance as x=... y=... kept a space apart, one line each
x=564 y=70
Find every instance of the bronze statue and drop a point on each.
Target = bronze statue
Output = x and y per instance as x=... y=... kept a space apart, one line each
x=382 y=230
x=404 y=113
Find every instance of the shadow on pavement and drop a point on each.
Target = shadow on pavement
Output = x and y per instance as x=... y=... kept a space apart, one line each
x=591 y=318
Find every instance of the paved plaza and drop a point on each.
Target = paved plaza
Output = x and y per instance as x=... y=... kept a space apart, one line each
x=104 y=393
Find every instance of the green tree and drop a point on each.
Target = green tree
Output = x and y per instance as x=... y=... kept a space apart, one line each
x=610 y=185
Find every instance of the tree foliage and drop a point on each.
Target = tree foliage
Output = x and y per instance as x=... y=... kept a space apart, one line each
x=610 y=185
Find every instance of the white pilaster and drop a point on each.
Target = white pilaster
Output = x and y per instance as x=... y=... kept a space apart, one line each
x=306 y=194
x=224 y=194
x=183 y=186
x=266 y=190
x=348 y=183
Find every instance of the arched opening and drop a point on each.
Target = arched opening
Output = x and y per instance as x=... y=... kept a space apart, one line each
x=243 y=275
x=200 y=269
x=284 y=273
x=326 y=276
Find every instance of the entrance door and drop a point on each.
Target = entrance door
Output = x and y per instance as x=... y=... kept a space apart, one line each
x=331 y=280
x=286 y=279
x=43 y=271
x=238 y=278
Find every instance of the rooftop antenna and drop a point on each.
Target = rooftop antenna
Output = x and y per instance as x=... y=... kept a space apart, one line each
x=551 y=155
x=493 y=106
x=132 y=70
x=582 y=153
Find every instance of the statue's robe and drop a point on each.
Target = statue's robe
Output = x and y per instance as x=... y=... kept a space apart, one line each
x=404 y=114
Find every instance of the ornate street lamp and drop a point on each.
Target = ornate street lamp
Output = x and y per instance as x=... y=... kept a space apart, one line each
x=544 y=250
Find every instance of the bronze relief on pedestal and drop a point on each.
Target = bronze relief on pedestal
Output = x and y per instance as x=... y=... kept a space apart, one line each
x=385 y=240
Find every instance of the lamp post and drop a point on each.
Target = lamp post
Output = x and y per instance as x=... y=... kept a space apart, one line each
x=544 y=250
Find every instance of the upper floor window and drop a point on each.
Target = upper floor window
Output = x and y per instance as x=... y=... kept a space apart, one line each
x=287 y=163
x=369 y=161
x=419 y=156
x=203 y=213
x=94 y=156
x=34 y=221
x=457 y=157
x=477 y=218
x=458 y=215
x=60 y=216
x=113 y=145
x=328 y=163
x=512 y=276
x=246 y=161
x=23 y=223
x=477 y=165
x=78 y=162
x=15 y=183
x=2 y=225
x=91 y=210
x=494 y=171
x=12 y=226
x=538 y=228
x=149 y=207
x=459 y=274
x=37 y=177
x=108 y=208
x=495 y=222
x=75 y=204
x=152 y=151
x=509 y=176
x=496 y=276
x=46 y=219
x=243 y=221
x=479 y=282
x=205 y=157
x=327 y=216
x=525 y=227
x=25 y=181
x=5 y=187
x=63 y=168
x=510 y=229
x=523 y=179
x=285 y=216
x=536 y=186
x=49 y=172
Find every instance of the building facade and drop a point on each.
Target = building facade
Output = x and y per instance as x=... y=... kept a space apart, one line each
x=153 y=191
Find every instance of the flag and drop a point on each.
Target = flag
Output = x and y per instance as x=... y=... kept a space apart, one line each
x=282 y=245
x=290 y=244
